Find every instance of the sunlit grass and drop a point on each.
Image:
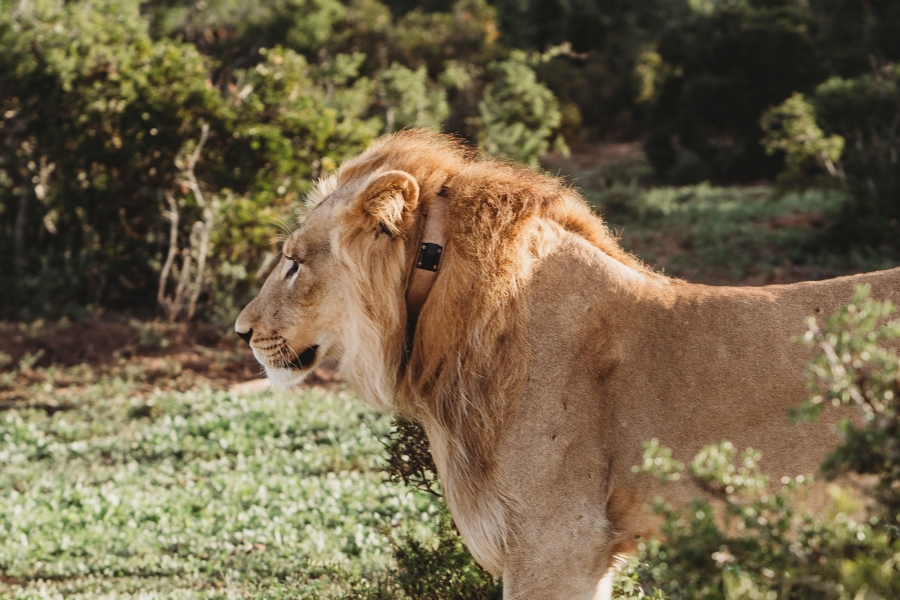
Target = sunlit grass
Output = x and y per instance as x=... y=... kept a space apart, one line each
x=197 y=494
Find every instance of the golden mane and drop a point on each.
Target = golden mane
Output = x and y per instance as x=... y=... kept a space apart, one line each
x=476 y=180
x=469 y=349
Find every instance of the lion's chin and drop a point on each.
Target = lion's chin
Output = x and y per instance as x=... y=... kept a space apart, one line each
x=286 y=379
x=286 y=375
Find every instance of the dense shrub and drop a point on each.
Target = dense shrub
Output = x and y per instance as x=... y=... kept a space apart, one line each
x=718 y=71
x=852 y=34
x=791 y=128
x=865 y=112
x=93 y=115
x=596 y=81
x=440 y=570
x=849 y=128
x=148 y=149
x=517 y=115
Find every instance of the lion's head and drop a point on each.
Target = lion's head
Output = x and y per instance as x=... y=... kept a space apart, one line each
x=338 y=290
x=336 y=293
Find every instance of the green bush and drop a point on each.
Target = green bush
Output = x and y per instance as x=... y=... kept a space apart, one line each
x=865 y=112
x=596 y=79
x=689 y=169
x=101 y=124
x=430 y=571
x=438 y=569
x=720 y=69
x=150 y=148
x=791 y=128
x=517 y=115
x=849 y=128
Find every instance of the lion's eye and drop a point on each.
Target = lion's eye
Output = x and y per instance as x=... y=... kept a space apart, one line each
x=293 y=269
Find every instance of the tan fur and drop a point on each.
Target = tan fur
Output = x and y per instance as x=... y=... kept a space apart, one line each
x=544 y=356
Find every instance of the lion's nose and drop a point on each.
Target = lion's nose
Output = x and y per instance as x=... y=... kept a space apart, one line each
x=245 y=335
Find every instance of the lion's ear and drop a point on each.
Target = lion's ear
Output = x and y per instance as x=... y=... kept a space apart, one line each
x=387 y=201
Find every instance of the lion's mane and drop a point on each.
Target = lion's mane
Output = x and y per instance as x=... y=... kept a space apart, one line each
x=469 y=351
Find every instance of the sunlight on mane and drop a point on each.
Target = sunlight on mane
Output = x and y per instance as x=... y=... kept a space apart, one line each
x=320 y=190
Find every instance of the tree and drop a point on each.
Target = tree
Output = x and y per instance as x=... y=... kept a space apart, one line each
x=720 y=70
x=791 y=128
x=517 y=115
x=107 y=198
x=93 y=114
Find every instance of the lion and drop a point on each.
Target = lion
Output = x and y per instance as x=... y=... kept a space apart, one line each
x=487 y=302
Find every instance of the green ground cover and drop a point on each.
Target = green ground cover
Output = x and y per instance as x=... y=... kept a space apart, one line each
x=735 y=235
x=198 y=495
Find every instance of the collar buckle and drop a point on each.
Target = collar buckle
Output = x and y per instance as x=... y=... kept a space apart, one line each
x=429 y=257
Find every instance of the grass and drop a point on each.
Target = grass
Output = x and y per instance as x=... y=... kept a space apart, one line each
x=733 y=235
x=197 y=494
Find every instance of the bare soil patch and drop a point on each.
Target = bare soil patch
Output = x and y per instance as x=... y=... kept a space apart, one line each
x=153 y=355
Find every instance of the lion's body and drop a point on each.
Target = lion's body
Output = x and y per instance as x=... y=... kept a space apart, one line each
x=544 y=356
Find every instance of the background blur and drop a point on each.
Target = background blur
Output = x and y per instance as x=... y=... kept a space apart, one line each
x=136 y=132
x=153 y=153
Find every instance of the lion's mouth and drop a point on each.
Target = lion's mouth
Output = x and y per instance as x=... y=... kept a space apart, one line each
x=305 y=359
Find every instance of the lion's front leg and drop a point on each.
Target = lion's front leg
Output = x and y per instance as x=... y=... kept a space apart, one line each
x=559 y=558
x=604 y=587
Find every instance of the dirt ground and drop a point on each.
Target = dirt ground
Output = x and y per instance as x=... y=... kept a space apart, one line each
x=156 y=354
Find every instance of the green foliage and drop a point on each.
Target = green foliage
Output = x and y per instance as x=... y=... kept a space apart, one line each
x=102 y=105
x=720 y=69
x=108 y=487
x=409 y=458
x=409 y=99
x=431 y=571
x=754 y=541
x=195 y=494
x=732 y=235
x=442 y=569
x=855 y=368
x=92 y=117
x=791 y=128
x=865 y=111
x=99 y=119
x=445 y=571
x=851 y=128
x=595 y=81
x=518 y=115
x=854 y=34
x=140 y=147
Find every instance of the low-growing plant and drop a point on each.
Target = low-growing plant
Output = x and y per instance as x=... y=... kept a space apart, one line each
x=438 y=569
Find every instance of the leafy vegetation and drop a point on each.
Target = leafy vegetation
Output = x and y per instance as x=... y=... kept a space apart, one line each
x=862 y=119
x=711 y=234
x=200 y=494
x=149 y=148
x=141 y=157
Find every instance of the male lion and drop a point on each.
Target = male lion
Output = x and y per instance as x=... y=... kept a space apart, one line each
x=487 y=302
